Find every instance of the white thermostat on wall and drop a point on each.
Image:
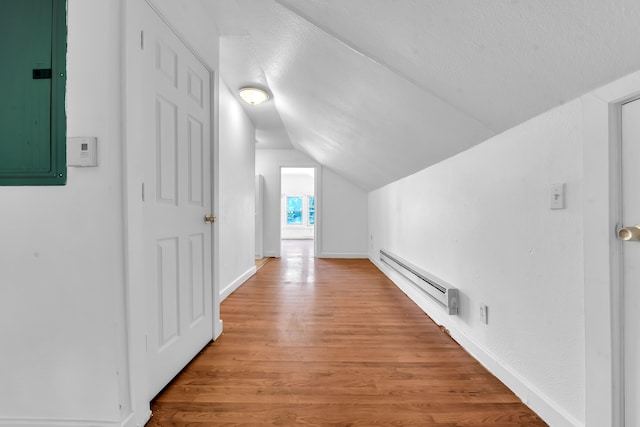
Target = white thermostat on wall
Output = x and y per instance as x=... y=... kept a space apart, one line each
x=82 y=151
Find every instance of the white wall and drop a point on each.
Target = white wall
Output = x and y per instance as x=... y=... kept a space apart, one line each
x=345 y=220
x=236 y=212
x=481 y=221
x=268 y=163
x=70 y=313
x=297 y=184
x=192 y=23
x=62 y=254
x=341 y=235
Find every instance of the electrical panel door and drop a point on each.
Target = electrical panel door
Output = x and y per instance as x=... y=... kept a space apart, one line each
x=32 y=88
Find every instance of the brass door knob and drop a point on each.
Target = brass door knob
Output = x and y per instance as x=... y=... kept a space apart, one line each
x=209 y=219
x=629 y=233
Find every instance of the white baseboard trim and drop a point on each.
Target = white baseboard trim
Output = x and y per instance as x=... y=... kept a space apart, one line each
x=136 y=421
x=296 y=238
x=228 y=290
x=24 y=422
x=346 y=255
x=540 y=403
x=130 y=421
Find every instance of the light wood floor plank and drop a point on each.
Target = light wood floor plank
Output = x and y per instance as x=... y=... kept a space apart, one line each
x=333 y=342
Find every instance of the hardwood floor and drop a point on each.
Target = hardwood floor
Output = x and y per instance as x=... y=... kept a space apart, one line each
x=333 y=342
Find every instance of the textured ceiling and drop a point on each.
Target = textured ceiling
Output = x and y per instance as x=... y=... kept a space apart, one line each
x=379 y=89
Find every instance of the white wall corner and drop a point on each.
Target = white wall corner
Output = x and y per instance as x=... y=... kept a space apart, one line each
x=218 y=326
x=541 y=404
x=228 y=290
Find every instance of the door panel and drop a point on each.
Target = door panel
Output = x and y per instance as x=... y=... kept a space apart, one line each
x=168 y=280
x=631 y=260
x=196 y=151
x=166 y=151
x=177 y=197
x=166 y=62
x=196 y=258
x=195 y=85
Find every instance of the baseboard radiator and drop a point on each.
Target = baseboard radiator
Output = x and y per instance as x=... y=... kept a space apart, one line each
x=435 y=288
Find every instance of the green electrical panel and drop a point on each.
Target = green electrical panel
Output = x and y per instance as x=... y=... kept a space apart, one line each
x=33 y=45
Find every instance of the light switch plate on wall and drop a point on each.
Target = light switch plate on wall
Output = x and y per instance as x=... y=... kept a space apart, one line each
x=557 y=196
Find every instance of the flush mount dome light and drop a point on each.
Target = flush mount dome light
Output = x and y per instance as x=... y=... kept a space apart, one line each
x=253 y=95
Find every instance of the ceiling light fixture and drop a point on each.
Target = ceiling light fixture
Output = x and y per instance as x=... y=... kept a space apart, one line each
x=253 y=95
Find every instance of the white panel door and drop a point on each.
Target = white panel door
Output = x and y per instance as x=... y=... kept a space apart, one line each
x=631 y=260
x=177 y=196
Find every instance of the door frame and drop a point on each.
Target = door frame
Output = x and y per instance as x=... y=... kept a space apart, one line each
x=317 y=183
x=134 y=13
x=623 y=305
x=604 y=386
x=259 y=184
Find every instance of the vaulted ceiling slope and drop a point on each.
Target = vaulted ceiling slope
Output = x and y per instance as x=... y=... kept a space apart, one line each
x=379 y=89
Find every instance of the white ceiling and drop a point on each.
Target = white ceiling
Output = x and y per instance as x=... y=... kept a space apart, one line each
x=379 y=89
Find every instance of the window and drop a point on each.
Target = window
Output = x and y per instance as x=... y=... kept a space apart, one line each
x=294 y=210
x=300 y=210
x=312 y=210
x=32 y=84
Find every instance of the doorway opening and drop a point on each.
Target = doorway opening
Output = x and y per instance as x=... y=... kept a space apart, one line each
x=297 y=211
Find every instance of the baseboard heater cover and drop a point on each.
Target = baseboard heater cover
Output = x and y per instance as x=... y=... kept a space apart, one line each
x=437 y=289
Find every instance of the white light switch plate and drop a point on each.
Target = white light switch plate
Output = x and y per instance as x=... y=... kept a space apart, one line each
x=557 y=196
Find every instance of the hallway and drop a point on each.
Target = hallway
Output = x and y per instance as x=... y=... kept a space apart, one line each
x=332 y=342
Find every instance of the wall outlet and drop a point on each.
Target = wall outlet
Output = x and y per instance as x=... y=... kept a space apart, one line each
x=484 y=313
